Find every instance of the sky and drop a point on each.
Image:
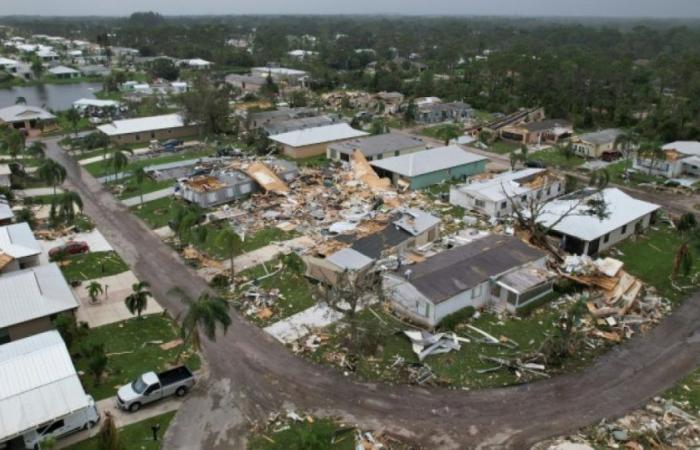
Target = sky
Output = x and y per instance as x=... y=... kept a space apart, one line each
x=595 y=8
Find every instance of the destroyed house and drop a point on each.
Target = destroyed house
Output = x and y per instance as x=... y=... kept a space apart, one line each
x=443 y=112
x=285 y=126
x=496 y=196
x=259 y=119
x=680 y=159
x=540 y=132
x=498 y=270
x=376 y=147
x=236 y=182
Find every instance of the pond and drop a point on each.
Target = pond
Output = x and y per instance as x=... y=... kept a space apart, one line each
x=56 y=97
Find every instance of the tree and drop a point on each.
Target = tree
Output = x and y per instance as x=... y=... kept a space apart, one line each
x=73 y=117
x=109 y=438
x=94 y=290
x=230 y=242
x=298 y=98
x=269 y=89
x=653 y=155
x=71 y=331
x=96 y=358
x=208 y=313
x=63 y=207
x=37 y=68
x=37 y=150
x=14 y=142
x=626 y=143
x=164 y=68
x=139 y=175
x=207 y=105
x=447 y=132
x=119 y=160
x=410 y=113
x=52 y=173
x=138 y=299
x=377 y=127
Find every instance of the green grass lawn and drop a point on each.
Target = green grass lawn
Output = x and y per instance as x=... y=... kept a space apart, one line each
x=650 y=257
x=435 y=131
x=137 y=436
x=503 y=147
x=617 y=171
x=132 y=348
x=132 y=189
x=554 y=157
x=457 y=368
x=156 y=213
x=101 y=168
x=92 y=265
x=250 y=243
x=687 y=392
x=295 y=290
x=320 y=434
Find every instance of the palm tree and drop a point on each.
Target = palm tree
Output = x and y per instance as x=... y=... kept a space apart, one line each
x=37 y=150
x=119 y=160
x=109 y=437
x=66 y=206
x=73 y=117
x=94 y=290
x=14 y=141
x=654 y=155
x=230 y=242
x=208 y=312
x=138 y=299
x=626 y=143
x=52 y=173
x=139 y=175
x=37 y=68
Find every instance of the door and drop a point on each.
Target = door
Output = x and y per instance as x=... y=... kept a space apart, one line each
x=152 y=393
x=593 y=247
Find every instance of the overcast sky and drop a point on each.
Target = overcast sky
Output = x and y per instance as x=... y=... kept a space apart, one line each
x=598 y=8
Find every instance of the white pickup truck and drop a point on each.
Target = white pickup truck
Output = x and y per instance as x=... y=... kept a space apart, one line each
x=152 y=386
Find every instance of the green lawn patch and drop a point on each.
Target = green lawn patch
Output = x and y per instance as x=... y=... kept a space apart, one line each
x=132 y=189
x=503 y=147
x=687 y=392
x=92 y=265
x=250 y=243
x=436 y=132
x=650 y=257
x=617 y=172
x=554 y=157
x=132 y=348
x=294 y=289
x=101 y=168
x=318 y=434
x=136 y=436
x=156 y=213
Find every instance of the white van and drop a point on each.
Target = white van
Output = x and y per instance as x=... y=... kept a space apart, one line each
x=82 y=419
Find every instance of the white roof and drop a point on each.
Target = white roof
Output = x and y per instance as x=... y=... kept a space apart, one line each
x=427 y=161
x=32 y=293
x=621 y=208
x=5 y=209
x=20 y=113
x=415 y=221
x=5 y=169
x=39 y=383
x=8 y=62
x=95 y=102
x=691 y=148
x=501 y=186
x=350 y=259
x=18 y=241
x=197 y=62
x=318 y=135
x=142 y=124
x=279 y=71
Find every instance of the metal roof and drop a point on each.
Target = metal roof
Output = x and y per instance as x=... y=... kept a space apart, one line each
x=141 y=124
x=428 y=161
x=5 y=209
x=39 y=383
x=501 y=186
x=621 y=210
x=350 y=259
x=601 y=137
x=33 y=293
x=691 y=148
x=446 y=274
x=317 y=135
x=20 y=113
x=18 y=241
x=379 y=144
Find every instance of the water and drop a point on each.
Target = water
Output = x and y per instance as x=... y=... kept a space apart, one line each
x=56 y=97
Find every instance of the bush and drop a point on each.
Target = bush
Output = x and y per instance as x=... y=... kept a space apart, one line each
x=451 y=321
x=220 y=281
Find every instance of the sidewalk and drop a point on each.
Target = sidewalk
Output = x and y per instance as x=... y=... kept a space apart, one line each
x=34 y=192
x=122 y=418
x=155 y=195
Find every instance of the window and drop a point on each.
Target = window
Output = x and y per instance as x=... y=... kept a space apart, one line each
x=624 y=229
x=50 y=428
x=523 y=198
x=476 y=292
x=606 y=238
x=559 y=190
x=153 y=134
x=549 y=189
x=4 y=336
x=479 y=203
x=152 y=389
x=397 y=153
x=504 y=205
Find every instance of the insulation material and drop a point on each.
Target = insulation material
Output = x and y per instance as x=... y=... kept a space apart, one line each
x=266 y=178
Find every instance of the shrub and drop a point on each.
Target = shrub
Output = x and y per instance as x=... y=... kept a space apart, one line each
x=451 y=321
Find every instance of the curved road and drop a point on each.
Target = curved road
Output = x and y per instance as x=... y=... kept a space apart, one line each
x=251 y=375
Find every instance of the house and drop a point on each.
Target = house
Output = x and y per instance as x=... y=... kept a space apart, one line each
x=145 y=129
x=376 y=147
x=392 y=101
x=583 y=233
x=30 y=298
x=495 y=196
x=292 y=77
x=540 y=132
x=301 y=54
x=232 y=183
x=6 y=213
x=196 y=63
x=495 y=269
x=285 y=126
x=406 y=229
x=444 y=112
x=260 y=119
x=681 y=158
x=18 y=248
x=29 y=118
x=428 y=167
x=5 y=175
x=597 y=145
x=314 y=141
x=94 y=70
x=9 y=65
x=94 y=106
x=521 y=116
x=246 y=83
x=40 y=386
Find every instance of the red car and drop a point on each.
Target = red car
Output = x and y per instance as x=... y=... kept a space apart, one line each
x=69 y=248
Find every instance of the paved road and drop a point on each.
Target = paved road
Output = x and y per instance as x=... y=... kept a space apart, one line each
x=252 y=374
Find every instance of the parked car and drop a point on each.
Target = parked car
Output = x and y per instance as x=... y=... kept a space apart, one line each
x=69 y=248
x=82 y=419
x=152 y=386
x=171 y=144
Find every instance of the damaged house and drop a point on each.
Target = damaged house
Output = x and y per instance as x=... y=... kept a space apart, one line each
x=19 y=248
x=583 y=233
x=444 y=112
x=237 y=181
x=549 y=131
x=495 y=196
x=376 y=147
x=680 y=158
x=495 y=270
x=407 y=230
x=309 y=142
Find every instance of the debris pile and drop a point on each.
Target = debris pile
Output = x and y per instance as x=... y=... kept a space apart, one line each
x=425 y=344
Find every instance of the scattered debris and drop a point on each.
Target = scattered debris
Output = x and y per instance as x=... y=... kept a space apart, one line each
x=425 y=344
